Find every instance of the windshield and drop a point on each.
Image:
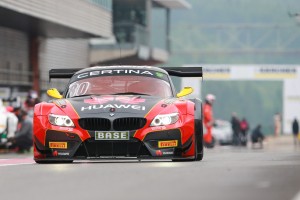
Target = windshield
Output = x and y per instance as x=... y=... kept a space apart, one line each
x=105 y=85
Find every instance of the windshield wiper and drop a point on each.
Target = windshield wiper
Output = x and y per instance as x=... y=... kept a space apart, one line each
x=130 y=93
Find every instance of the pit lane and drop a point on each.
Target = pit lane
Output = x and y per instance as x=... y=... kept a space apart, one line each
x=225 y=173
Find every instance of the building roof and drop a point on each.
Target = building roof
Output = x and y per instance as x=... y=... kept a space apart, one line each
x=173 y=4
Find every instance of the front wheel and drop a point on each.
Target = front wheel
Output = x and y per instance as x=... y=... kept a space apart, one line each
x=198 y=144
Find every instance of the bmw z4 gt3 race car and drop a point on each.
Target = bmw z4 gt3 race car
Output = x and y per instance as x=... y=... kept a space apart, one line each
x=119 y=112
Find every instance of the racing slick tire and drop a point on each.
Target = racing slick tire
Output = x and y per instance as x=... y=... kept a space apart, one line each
x=198 y=140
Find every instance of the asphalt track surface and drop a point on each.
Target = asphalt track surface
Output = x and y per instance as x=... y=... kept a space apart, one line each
x=227 y=173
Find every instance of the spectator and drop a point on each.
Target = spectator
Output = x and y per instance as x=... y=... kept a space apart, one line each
x=257 y=136
x=208 y=120
x=277 y=124
x=235 y=124
x=295 y=128
x=22 y=141
x=244 y=127
x=8 y=123
x=31 y=100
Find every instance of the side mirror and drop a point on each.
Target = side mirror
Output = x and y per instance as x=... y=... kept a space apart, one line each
x=185 y=91
x=53 y=92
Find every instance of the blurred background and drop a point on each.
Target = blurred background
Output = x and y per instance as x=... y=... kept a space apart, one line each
x=250 y=49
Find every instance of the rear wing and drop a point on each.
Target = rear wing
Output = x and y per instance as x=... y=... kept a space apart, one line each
x=172 y=71
x=184 y=71
x=62 y=73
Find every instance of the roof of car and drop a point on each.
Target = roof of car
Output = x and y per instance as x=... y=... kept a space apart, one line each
x=116 y=67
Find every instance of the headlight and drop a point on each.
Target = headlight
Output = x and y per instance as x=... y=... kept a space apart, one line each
x=60 y=120
x=161 y=120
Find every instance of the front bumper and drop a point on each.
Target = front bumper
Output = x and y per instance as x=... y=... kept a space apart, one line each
x=164 y=144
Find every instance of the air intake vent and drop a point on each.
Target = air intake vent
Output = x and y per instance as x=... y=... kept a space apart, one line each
x=95 y=124
x=127 y=124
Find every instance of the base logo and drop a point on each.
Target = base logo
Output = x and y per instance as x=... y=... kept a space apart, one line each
x=167 y=144
x=58 y=145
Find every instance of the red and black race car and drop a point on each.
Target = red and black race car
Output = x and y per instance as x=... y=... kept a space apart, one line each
x=116 y=112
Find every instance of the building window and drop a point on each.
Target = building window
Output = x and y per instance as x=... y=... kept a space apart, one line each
x=107 y=4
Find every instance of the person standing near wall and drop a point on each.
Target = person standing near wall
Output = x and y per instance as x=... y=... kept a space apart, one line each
x=277 y=124
x=235 y=124
x=22 y=141
x=208 y=120
x=257 y=136
x=244 y=126
x=295 y=128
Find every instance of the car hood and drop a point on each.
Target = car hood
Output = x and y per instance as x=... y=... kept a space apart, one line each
x=118 y=105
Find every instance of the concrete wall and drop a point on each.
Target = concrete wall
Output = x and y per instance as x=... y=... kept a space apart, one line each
x=78 y=14
x=61 y=53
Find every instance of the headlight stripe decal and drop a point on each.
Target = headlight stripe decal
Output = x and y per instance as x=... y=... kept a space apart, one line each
x=76 y=121
x=156 y=106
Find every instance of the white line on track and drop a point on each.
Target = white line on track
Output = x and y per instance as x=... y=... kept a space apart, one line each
x=16 y=161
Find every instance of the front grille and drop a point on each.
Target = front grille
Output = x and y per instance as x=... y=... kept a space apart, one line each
x=131 y=148
x=120 y=124
x=94 y=124
x=130 y=123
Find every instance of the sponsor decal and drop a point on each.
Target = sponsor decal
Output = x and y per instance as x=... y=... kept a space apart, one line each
x=167 y=144
x=158 y=128
x=216 y=72
x=63 y=153
x=276 y=72
x=119 y=106
x=65 y=128
x=159 y=74
x=121 y=135
x=58 y=145
x=158 y=153
x=114 y=72
x=105 y=99
x=99 y=100
x=168 y=152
